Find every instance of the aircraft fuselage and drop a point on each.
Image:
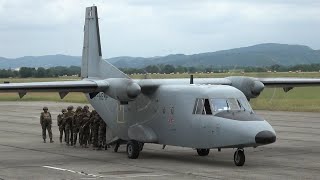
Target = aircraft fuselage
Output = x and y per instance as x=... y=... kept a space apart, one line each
x=170 y=116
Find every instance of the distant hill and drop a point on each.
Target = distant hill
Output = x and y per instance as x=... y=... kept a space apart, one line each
x=257 y=55
x=40 y=61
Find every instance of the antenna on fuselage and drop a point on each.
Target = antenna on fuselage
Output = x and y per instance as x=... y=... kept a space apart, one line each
x=191 y=79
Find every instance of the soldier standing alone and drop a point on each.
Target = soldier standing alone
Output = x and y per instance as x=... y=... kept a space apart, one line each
x=61 y=124
x=46 y=122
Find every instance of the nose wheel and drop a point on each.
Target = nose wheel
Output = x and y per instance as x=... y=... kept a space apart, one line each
x=203 y=152
x=239 y=157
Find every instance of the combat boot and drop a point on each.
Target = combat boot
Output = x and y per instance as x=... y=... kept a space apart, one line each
x=51 y=141
x=44 y=140
x=60 y=140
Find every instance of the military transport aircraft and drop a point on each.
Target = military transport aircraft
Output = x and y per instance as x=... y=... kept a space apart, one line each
x=204 y=114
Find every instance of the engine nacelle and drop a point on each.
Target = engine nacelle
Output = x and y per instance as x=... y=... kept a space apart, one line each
x=250 y=87
x=122 y=89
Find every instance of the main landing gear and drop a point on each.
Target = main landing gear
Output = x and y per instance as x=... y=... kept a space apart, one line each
x=134 y=148
x=239 y=158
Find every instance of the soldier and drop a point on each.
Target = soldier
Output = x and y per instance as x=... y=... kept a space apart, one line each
x=46 y=122
x=76 y=124
x=102 y=133
x=68 y=116
x=61 y=124
x=95 y=128
x=85 y=127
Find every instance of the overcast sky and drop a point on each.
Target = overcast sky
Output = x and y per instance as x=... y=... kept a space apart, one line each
x=155 y=27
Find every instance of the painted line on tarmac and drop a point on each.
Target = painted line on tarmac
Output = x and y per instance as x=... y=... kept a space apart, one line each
x=93 y=176
x=144 y=175
x=72 y=171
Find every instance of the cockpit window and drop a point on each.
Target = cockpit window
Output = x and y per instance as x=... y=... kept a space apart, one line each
x=207 y=107
x=199 y=106
x=244 y=104
x=219 y=104
x=230 y=104
x=233 y=104
x=202 y=106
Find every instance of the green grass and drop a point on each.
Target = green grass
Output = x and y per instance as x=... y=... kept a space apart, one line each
x=219 y=75
x=298 y=99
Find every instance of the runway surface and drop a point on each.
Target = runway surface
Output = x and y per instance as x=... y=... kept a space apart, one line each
x=23 y=155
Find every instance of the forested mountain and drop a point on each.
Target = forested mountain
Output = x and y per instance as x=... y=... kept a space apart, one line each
x=257 y=55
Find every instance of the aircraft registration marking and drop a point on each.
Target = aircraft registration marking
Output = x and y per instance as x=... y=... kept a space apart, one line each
x=101 y=96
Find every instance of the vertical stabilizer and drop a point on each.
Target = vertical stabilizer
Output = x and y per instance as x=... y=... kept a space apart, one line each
x=91 y=52
x=92 y=64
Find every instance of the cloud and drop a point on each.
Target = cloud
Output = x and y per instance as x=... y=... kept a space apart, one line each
x=150 y=28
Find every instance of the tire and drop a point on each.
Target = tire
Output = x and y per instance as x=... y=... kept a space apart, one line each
x=239 y=158
x=203 y=152
x=133 y=149
x=141 y=146
x=116 y=147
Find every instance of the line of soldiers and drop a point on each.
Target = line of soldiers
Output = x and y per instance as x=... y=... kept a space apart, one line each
x=83 y=125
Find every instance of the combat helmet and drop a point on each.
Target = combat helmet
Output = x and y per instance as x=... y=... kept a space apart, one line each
x=45 y=108
x=86 y=107
x=70 y=108
x=63 y=110
x=79 y=108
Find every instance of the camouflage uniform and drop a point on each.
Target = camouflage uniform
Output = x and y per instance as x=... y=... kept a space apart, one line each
x=95 y=128
x=76 y=124
x=46 y=122
x=61 y=124
x=68 y=116
x=102 y=133
x=85 y=126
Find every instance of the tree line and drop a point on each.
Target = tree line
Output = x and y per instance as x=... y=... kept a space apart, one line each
x=26 y=72
x=167 y=69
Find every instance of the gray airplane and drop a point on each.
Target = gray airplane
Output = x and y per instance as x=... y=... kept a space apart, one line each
x=204 y=114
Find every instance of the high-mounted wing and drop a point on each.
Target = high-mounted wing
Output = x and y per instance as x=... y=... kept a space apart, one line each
x=121 y=89
x=62 y=87
x=289 y=82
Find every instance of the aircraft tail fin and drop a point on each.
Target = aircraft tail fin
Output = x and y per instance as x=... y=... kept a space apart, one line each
x=92 y=64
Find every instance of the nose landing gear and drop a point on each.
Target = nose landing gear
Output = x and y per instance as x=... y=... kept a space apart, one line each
x=239 y=158
x=203 y=152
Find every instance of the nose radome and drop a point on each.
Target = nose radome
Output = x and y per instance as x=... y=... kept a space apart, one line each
x=265 y=137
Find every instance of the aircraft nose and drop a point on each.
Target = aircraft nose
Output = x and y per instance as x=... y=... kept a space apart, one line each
x=265 y=137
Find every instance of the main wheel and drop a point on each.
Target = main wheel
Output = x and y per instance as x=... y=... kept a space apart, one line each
x=141 y=146
x=116 y=147
x=133 y=149
x=203 y=152
x=239 y=157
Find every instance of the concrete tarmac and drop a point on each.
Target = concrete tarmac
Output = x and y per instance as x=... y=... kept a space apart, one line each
x=23 y=155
